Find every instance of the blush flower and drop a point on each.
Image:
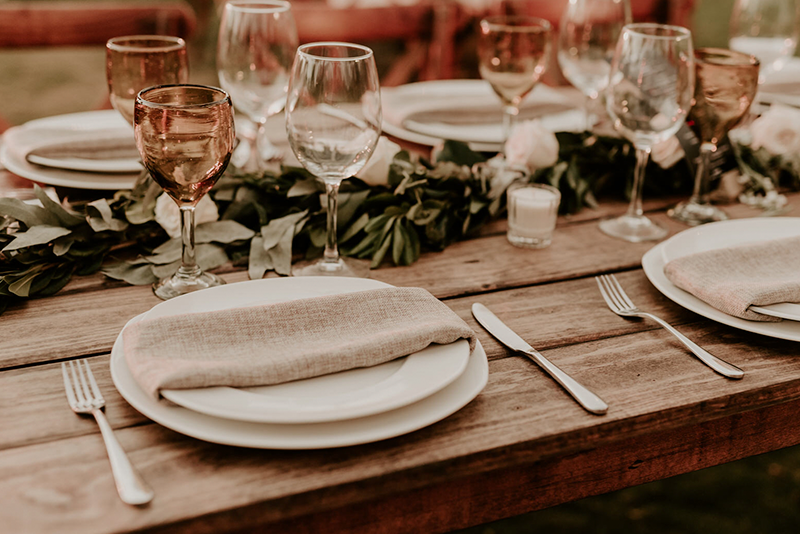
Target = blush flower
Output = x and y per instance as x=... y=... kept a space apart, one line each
x=376 y=171
x=531 y=145
x=777 y=130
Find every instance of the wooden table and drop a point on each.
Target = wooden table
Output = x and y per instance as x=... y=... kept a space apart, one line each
x=521 y=445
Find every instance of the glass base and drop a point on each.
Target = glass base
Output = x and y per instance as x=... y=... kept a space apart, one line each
x=529 y=242
x=178 y=284
x=694 y=214
x=633 y=229
x=344 y=267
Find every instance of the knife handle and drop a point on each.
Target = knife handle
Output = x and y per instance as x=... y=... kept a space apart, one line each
x=590 y=402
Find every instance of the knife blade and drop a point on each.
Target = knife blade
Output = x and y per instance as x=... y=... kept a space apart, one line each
x=588 y=400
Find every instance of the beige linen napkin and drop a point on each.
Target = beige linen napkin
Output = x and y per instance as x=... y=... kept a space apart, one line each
x=732 y=279
x=286 y=341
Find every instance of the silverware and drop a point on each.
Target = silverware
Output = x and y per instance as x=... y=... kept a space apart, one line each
x=590 y=402
x=86 y=398
x=618 y=301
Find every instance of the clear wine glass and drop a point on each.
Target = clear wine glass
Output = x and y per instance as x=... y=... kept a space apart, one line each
x=512 y=57
x=725 y=86
x=333 y=120
x=767 y=29
x=650 y=91
x=587 y=36
x=257 y=43
x=135 y=62
x=185 y=135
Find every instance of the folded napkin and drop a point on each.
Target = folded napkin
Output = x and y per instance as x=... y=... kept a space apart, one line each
x=286 y=341
x=732 y=279
x=104 y=152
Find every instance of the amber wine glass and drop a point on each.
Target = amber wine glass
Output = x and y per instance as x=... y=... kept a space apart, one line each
x=333 y=120
x=136 y=62
x=512 y=56
x=185 y=135
x=726 y=83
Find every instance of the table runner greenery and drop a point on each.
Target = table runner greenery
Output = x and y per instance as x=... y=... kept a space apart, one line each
x=267 y=220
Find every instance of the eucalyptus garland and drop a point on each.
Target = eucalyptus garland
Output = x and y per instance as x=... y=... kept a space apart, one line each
x=266 y=220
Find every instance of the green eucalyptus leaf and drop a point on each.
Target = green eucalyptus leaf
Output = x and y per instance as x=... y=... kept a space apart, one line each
x=275 y=231
x=226 y=231
x=398 y=243
x=169 y=246
x=101 y=218
x=258 y=262
x=67 y=218
x=62 y=245
x=459 y=153
x=36 y=235
x=21 y=286
x=210 y=256
x=280 y=255
x=165 y=270
x=142 y=210
x=28 y=214
x=137 y=275
x=349 y=203
x=354 y=228
x=308 y=186
x=377 y=258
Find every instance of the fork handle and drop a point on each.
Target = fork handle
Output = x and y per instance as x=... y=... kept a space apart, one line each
x=590 y=402
x=131 y=486
x=722 y=367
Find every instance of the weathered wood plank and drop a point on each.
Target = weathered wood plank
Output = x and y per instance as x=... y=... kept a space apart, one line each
x=522 y=417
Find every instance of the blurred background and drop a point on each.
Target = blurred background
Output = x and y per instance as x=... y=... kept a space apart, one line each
x=757 y=495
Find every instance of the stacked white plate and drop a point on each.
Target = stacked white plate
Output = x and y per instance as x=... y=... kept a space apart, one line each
x=719 y=235
x=470 y=111
x=348 y=408
x=24 y=151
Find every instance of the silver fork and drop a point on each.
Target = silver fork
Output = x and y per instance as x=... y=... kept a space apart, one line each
x=618 y=301
x=85 y=398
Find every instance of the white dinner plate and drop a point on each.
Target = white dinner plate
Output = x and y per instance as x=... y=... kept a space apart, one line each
x=459 y=98
x=713 y=236
x=384 y=425
x=105 y=124
x=782 y=86
x=345 y=395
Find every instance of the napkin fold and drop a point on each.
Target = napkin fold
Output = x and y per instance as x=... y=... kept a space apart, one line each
x=104 y=152
x=285 y=341
x=732 y=279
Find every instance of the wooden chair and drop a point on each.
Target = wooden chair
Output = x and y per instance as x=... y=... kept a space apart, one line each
x=37 y=24
x=428 y=30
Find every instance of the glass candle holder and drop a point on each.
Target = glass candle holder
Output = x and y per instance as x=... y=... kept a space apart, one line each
x=532 y=213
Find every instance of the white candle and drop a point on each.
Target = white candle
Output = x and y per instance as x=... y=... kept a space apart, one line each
x=532 y=212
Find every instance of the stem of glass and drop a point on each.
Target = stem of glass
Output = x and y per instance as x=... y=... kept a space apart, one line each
x=331 y=256
x=635 y=207
x=700 y=192
x=509 y=114
x=188 y=268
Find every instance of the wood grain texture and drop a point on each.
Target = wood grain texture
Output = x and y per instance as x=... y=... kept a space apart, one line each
x=668 y=413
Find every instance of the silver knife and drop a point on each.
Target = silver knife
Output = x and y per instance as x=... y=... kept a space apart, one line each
x=590 y=402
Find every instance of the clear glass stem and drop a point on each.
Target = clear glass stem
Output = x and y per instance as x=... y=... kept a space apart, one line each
x=509 y=116
x=331 y=255
x=635 y=207
x=188 y=268
x=700 y=192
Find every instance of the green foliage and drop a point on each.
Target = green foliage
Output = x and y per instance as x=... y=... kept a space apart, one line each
x=268 y=219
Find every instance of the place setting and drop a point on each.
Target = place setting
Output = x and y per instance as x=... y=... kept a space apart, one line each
x=287 y=310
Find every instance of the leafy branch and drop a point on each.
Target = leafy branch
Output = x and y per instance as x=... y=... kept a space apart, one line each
x=266 y=220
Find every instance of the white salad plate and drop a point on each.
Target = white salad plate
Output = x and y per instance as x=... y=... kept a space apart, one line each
x=470 y=111
x=356 y=431
x=74 y=128
x=345 y=395
x=719 y=235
